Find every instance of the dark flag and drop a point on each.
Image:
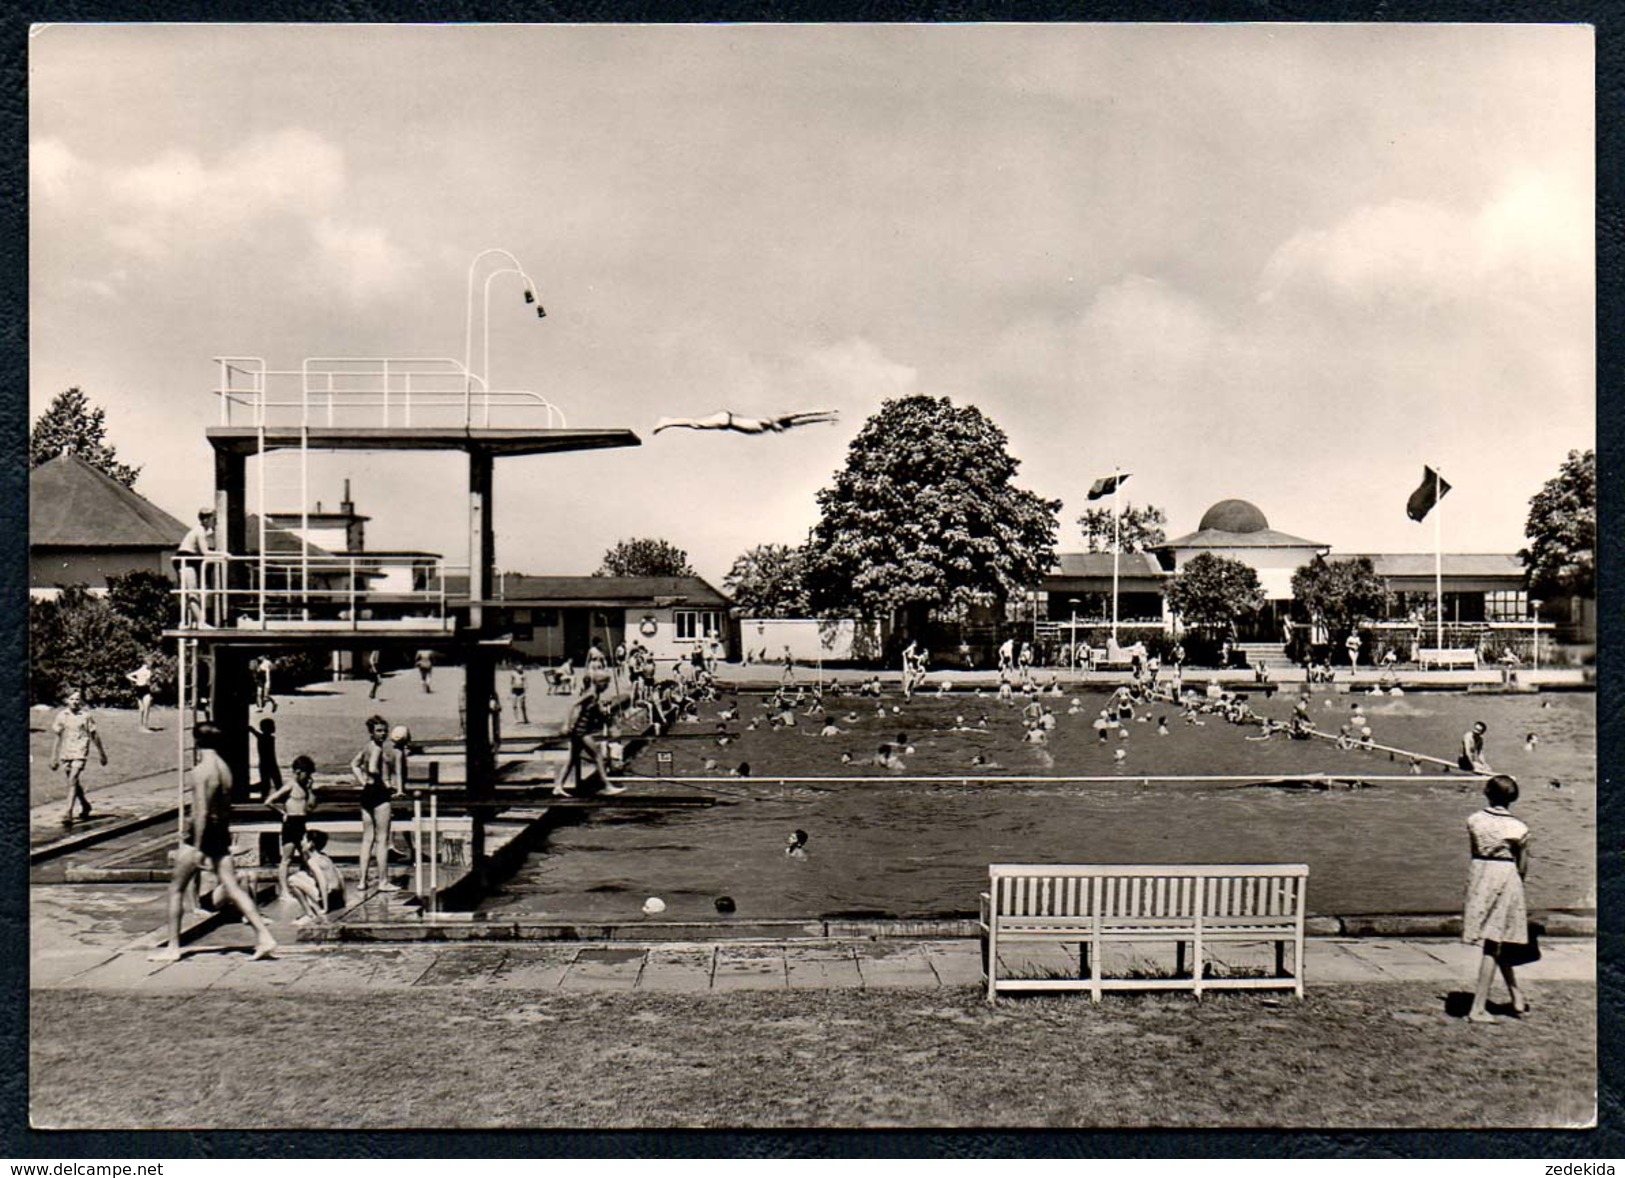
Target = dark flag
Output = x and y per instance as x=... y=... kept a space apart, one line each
x=1103 y=487
x=1422 y=499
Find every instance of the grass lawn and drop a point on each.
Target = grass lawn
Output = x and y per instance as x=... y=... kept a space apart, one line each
x=1355 y=1056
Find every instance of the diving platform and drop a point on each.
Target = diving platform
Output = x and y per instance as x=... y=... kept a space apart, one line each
x=250 y=441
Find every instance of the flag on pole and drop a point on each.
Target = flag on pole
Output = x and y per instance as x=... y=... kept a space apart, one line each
x=1103 y=487
x=1422 y=499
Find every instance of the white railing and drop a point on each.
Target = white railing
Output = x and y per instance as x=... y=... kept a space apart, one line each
x=295 y=588
x=373 y=391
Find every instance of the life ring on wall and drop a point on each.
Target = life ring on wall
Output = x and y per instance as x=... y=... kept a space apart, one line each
x=648 y=627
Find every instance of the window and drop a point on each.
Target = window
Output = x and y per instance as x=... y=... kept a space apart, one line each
x=1506 y=605
x=695 y=624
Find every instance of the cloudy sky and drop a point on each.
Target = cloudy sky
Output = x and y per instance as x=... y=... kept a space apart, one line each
x=1283 y=263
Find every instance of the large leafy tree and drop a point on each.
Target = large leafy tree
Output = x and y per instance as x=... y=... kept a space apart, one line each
x=73 y=423
x=925 y=519
x=1141 y=528
x=147 y=601
x=1214 y=591
x=1561 y=560
x=1343 y=592
x=645 y=558
x=769 y=581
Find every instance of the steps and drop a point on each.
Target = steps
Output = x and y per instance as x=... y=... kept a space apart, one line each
x=1265 y=654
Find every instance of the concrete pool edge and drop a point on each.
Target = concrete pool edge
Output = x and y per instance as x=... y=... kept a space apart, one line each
x=467 y=927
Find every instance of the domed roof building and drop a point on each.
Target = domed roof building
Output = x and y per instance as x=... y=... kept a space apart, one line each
x=1239 y=530
x=1236 y=523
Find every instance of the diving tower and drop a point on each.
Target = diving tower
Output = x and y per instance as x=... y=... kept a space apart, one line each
x=247 y=599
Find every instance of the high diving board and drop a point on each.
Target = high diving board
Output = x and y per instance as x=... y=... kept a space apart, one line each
x=249 y=440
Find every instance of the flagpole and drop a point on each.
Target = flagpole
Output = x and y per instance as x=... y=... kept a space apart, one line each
x=1438 y=559
x=1117 y=543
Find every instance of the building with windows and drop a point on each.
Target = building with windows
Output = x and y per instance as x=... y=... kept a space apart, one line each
x=557 y=618
x=1479 y=588
x=84 y=527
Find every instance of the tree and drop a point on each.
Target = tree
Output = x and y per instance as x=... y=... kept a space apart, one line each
x=925 y=518
x=1561 y=560
x=72 y=423
x=1214 y=591
x=147 y=601
x=78 y=640
x=1345 y=593
x=769 y=581
x=1141 y=528
x=645 y=558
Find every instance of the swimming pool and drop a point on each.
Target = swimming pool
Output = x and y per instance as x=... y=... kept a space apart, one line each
x=891 y=844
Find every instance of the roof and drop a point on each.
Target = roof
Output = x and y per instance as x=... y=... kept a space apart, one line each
x=1259 y=538
x=71 y=504
x=1233 y=515
x=1454 y=564
x=626 y=592
x=277 y=540
x=1099 y=564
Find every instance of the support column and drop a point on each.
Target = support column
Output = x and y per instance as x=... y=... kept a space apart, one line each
x=480 y=672
x=231 y=527
x=231 y=686
x=231 y=703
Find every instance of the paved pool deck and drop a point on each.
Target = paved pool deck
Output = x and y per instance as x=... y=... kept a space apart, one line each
x=225 y=963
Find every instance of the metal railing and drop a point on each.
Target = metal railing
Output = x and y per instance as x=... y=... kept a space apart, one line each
x=311 y=588
x=373 y=391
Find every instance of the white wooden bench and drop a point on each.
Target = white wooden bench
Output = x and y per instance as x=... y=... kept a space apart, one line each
x=1097 y=905
x=1444 y=657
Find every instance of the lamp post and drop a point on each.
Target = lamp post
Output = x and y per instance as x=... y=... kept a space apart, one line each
x=1534 y=630
x=515 y=267
x=1072 y=634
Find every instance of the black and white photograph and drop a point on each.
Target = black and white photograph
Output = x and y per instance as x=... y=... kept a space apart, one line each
x=812 y=576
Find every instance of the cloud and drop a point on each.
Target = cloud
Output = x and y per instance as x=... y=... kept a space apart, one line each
x=362 y=259
x=289 y=187
x=1529 y=242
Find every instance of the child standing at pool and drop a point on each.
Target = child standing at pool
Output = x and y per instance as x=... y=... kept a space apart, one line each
x=1494 y=914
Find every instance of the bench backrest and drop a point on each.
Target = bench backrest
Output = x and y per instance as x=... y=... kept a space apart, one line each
x=1119 y=892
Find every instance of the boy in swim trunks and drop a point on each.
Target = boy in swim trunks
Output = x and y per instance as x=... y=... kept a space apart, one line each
x=300 y=795
x=75 y=731
x=208 y=845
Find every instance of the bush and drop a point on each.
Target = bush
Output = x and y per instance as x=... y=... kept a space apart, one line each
x=81 y=641
x=148 y=601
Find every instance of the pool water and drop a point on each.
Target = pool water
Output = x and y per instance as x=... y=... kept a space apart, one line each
x=891 y=844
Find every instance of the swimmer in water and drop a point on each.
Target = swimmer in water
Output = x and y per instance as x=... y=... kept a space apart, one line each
x=709 y=764
x=846 y=758
x=903 y=746
x=1529 y=742
x=795 y=844
x=743 y=770
x=829 y=730
x=1120 y=755
x=1162 y=725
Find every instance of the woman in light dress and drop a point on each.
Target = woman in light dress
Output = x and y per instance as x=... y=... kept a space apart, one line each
x=1495 y=915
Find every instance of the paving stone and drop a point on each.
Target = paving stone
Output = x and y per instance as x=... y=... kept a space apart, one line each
x=822 y=968
x=681 y=970
x=1399 y=960
x=333 y=969
x=957 y=965
x=604 y=969
x=273 y=973
x=124 y=972
x=902 y=970
x=463 y=966
x=394 y=969
x=1334 y=962
x=539 y=968
x=194 y=972
x=750 y=968
x=59 y=967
